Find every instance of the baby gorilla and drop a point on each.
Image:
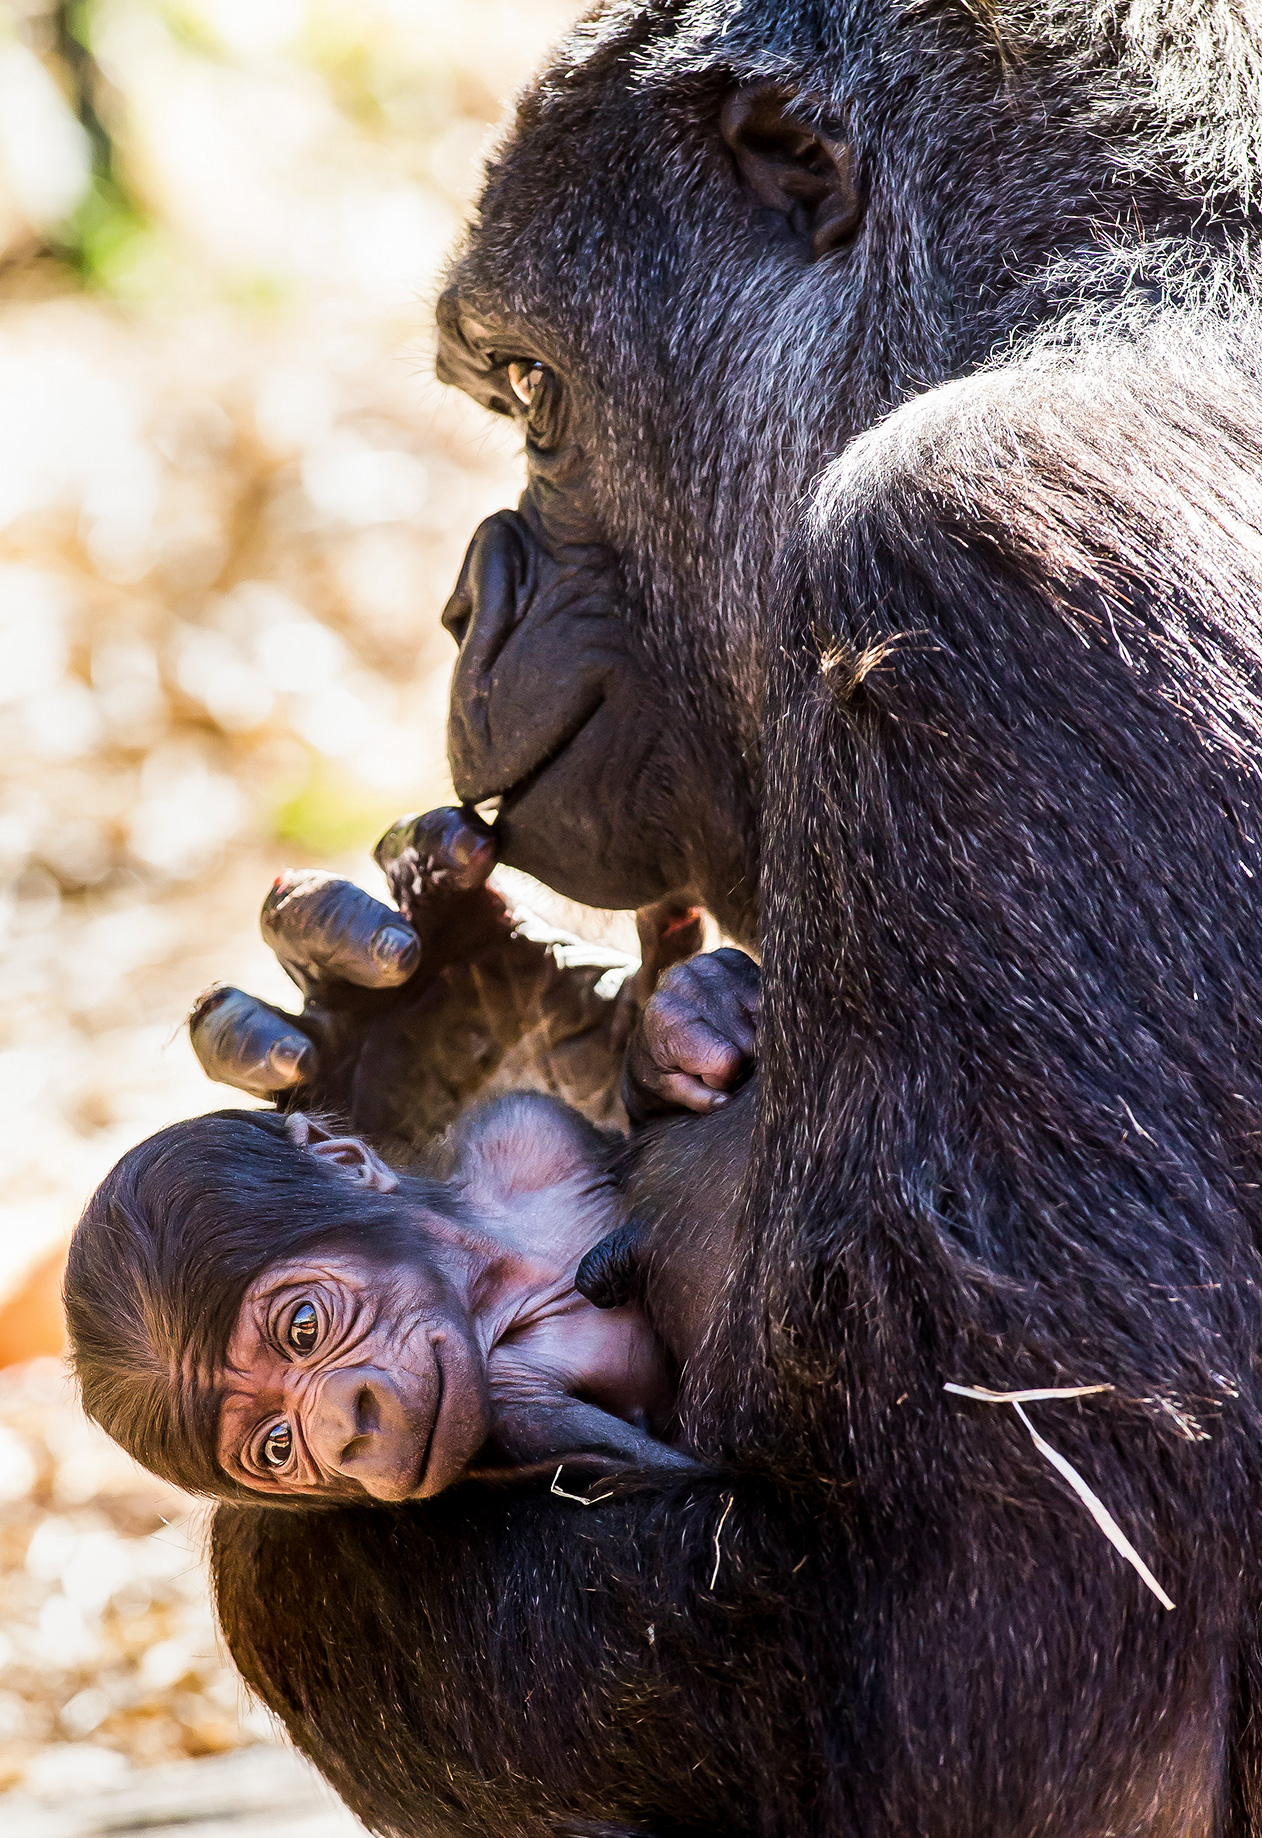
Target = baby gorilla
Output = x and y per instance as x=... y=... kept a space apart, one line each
x=260 y=1307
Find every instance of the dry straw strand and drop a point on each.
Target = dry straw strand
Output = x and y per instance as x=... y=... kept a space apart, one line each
x=1094 y=1505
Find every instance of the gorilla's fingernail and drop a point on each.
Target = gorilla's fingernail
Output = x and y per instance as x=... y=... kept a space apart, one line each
x=208 y=1001
x=472 y=858
x=395 y=952
x=291 y=1061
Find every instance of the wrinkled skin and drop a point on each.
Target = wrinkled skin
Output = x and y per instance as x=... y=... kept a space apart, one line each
x=558 y=707
x=551 y=708
x=390 y=1400
x=696 y=1039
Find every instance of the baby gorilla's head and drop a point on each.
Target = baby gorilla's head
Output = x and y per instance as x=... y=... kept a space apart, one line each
x=257 y=1307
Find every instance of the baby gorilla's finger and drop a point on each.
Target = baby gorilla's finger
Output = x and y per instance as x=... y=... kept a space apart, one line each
x=678 y=1064
x=241 y=1041
x=702 y=1008
x=680 y=1039
x=444 y=851
x=696 y=1038
x=739 y=972
x=610 y=1274
x=684 y=1091
x=723 y=987
x=324 y=930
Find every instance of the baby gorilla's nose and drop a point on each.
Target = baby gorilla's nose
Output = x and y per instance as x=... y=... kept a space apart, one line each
x=361 y=1429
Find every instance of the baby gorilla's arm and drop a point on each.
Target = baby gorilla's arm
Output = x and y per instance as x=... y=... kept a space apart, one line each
x=696 y=1042
x=696 y=1038
x=537 y=1429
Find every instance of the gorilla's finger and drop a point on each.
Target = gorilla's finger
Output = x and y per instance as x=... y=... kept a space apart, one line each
x=695 y=998
x=241 y=1041
x=324 y=929
x=684 y=1091
x=741 y=974
x=610 y=1274
x=445 y=851
x=723 y=986
x=684 y=1041
x=649 y=1091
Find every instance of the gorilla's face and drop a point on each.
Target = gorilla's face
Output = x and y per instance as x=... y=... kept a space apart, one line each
x=557 y=711
x=611 y=629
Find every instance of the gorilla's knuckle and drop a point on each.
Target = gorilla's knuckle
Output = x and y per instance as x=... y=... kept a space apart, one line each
x=670 y=1008
x=677 y=982
x=685 y=1035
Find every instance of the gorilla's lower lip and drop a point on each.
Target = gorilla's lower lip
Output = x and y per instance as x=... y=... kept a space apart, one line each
x=528 y=780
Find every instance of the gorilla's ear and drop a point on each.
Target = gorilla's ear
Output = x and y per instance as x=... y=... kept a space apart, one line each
x=346 y=1156
x=793 y=162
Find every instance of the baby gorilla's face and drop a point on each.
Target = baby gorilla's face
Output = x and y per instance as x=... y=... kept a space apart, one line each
x=345 y=1377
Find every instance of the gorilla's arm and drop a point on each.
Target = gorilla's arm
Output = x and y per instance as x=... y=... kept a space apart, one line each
x=693 y=1049
x=545 y=1432
x=432 y=1661
x=1011 y=1017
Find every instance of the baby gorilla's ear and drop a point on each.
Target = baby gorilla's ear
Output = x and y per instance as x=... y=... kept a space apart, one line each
x=349 y=1158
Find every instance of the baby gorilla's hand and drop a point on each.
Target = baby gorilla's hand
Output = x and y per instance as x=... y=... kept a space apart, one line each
x=696 y=1038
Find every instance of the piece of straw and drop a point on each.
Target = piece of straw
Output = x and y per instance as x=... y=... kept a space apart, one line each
x=718 y=1554
x=1094 y=1505
x=579 y=1499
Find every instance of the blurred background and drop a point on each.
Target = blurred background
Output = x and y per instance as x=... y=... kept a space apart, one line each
x=232 y=503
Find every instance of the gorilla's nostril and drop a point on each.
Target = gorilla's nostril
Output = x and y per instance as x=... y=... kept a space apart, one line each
x=367 y=1414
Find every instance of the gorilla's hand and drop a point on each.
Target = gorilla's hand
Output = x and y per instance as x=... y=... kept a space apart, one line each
x=694 y=1045
x=410 y=1014
x=696 y=1039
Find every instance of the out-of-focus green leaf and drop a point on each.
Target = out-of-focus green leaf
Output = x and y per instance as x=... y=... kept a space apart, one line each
x=331 y=813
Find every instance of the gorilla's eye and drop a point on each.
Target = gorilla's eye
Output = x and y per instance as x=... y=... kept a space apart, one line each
x=304 y=1328
x=524 y=379
x=278 y=1445
x=539 y=391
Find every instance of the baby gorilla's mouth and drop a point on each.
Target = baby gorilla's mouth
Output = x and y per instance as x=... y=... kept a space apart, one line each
x=418 y=1483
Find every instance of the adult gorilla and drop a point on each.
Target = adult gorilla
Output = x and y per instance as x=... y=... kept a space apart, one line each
x=960 y=716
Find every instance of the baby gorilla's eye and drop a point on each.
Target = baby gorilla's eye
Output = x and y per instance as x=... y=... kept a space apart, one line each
x=278 y=1445
x=304 y=1328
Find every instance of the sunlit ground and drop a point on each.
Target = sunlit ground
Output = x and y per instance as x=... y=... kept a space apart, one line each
x=232 y=503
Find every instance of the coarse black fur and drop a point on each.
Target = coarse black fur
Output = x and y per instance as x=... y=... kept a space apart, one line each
x=962 y=717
